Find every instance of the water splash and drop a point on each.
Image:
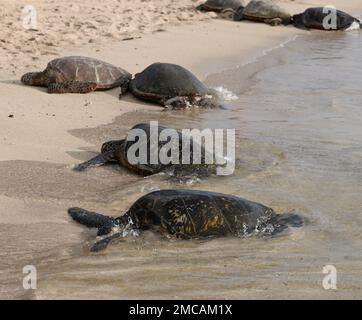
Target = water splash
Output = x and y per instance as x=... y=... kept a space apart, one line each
x=226 y=94
x=354 y=26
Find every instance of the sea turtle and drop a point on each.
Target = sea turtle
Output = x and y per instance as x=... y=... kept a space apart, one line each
x=78 y=75
x=188 y=214
x=172 y=86
x=225 y=8
x=321 y=18
x=117 y=151
x=264 y=11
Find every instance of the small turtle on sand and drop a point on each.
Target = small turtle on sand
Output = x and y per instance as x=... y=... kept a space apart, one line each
x=225 y=8
x=78 y=75
x=188 y=214
x=116 y=151
x=321 y=18
x=264 y=11
x=172 y=86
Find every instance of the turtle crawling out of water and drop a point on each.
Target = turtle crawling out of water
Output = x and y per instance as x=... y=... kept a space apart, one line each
x=188 y=214
x=172 y=86
x=317 y=18
x=264 y=11
x=116 y=151
x=78 y=75
x=226 y=9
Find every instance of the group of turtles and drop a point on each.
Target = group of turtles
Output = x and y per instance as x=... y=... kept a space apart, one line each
x=184 y=214
x=169 y=85
x=269 y=12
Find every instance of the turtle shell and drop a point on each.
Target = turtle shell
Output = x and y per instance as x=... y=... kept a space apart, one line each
x=162 y=81
x=152 y=168
x=193 y=213
x=314 y=17
x=260 y=10
x=85 y=69
x=219 y=5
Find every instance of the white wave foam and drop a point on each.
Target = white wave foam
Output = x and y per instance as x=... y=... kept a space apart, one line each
x=226 y=94
x=354 y=26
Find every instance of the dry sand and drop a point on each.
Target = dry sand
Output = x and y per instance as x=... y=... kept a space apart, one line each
x=35 y=126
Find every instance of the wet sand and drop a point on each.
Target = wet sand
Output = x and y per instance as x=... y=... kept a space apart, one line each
x=48 y=134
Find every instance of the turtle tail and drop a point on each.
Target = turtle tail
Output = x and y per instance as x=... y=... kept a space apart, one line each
x=103 y=223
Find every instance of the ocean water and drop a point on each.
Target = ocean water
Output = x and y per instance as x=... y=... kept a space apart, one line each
x=298 y=120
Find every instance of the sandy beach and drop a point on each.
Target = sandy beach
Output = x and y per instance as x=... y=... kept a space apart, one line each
x=37 y=129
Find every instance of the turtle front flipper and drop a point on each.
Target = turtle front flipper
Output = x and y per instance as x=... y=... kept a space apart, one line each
x=97 y=161
x=182 y=102
x=103 y=244
x=72 y=87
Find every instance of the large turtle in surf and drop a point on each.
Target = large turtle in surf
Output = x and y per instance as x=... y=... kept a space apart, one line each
x=150 y=139
x=264 y=11
x=172 y=86
x=225 y=8
x=321 y=18
x=188 y=214
x=78 y=75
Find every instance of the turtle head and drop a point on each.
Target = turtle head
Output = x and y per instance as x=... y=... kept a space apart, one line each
x=112 y=146
x=33 y=79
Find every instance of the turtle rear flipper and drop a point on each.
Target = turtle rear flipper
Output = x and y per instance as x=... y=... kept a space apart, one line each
x=72 y=87
x=239 y=14
x=97 y=161
x=91 y=219
x=228 y=14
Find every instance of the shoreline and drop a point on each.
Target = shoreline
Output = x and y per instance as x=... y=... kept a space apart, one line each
x=40 y=129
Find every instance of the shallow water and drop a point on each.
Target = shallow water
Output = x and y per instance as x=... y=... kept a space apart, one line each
x=299 y=147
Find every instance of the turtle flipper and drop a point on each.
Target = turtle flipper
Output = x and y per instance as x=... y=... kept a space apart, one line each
x=200 y=7
x=228 y=14
x=274 y=22
x=103 y=244
x=72 y=87
x=239 y=14
x=181 y=102
x=91 y=219
x=97 y=161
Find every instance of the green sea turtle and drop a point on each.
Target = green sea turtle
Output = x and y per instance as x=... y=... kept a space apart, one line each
x=188 y=214
x=78 y=75
x=172 y=86
x=116 y=151
x=321 y=18
x=225 y=8
x=264 y=11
